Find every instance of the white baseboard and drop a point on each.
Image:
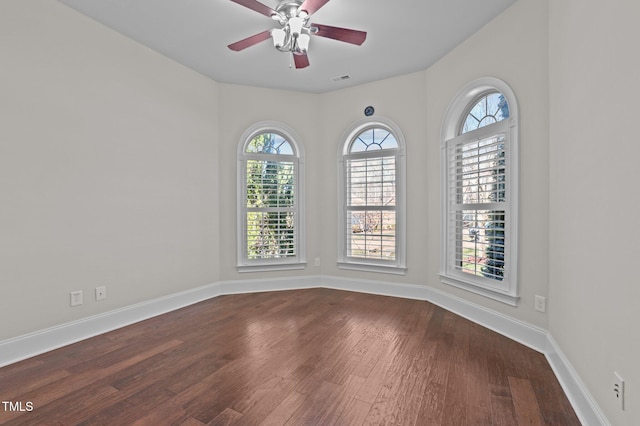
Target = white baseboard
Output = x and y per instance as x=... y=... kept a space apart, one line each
x=521 y=332
x=268 y=284
x=586 y=408
x=583 y=403
x=32 y=344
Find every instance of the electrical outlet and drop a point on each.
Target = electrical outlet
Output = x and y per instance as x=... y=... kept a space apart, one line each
x=618 y=389
x=101 y=292
x=76 y=298
x=316 y=261
x=540 y=304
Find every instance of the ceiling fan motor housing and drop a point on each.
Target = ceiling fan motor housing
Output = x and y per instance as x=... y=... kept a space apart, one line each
x=294 y=34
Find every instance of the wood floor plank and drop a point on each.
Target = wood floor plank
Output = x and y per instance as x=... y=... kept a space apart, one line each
x=340 y=401
x=477 y=379
x=503 y=411
x=309 y=412
x=525 y=402
x=554 y=406
x=374 y=381
x=432 y=406
x=300 y=357
x=227 y=418
x=264 y=398
x=167 y=414
x=283 y=411
x=55 y=395
x=354 y=413
x=327 y=404
x=455 y=405
x=42 y=376
x=403 y=386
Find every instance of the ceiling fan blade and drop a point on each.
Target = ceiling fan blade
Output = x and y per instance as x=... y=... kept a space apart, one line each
x=301 y=60
x=250 y=41
x=310 y=6
x=257 y=6
x=342 y=34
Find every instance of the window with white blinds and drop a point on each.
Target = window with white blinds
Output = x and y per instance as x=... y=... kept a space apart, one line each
x=269 y=201
x=480 y=193
x=478 y=210
x=372 y=192
x=371 y=207
x=271 y=208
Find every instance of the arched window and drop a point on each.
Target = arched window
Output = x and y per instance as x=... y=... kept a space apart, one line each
x=479 y=164
x=491 y=108
x=270 y=226
x=372 y=198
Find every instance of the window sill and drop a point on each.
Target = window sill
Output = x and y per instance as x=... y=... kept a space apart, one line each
x=506 y=298
x=265 y=267
x=368 y=267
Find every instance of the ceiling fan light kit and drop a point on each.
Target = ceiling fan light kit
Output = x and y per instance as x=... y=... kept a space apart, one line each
x=295 y=29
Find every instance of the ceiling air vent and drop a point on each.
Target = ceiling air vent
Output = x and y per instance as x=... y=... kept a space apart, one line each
x=341 y=78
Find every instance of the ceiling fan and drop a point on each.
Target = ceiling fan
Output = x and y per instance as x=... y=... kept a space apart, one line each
x=295 y=29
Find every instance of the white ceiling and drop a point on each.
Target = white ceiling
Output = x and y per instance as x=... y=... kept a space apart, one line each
x=403 y=36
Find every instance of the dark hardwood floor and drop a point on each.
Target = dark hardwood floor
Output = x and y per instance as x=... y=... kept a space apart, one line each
x=303 y=357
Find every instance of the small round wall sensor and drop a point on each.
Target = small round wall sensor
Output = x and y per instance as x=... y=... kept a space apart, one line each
x=368 y=111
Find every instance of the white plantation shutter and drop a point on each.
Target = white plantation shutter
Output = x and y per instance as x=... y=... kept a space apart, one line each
x=477 y=187
x=270 y=221
x=371 y=206
x=478 y=207
x=372 y=194
x=479 y=160
x=271 y=208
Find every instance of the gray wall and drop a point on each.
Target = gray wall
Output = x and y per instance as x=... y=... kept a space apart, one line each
x=594 y=153
x=108 y=161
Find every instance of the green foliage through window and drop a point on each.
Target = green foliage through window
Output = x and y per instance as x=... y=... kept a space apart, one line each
x=270 y=199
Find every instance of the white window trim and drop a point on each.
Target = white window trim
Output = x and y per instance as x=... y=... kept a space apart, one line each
x=398 y=266
x=261 y=265
x=507 y=291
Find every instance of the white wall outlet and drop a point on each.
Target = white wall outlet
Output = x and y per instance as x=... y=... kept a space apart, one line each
x=540 y=304
x=316 y=261
x=76 y=298
x=618 y=389
x=101 y=292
